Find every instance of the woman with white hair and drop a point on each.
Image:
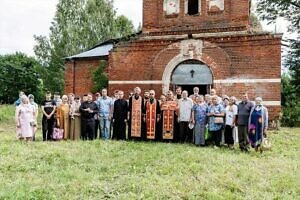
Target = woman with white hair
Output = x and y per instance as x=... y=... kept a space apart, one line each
x=258 y=123
x=25 y=119
x=63 y=118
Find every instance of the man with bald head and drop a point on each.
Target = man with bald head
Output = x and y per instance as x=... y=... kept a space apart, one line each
x=184 y=117
x=196 y=94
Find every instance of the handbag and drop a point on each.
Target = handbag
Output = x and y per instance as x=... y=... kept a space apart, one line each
x=265 y=144
x=219 y=120
x=33 y=123
x=58 y=133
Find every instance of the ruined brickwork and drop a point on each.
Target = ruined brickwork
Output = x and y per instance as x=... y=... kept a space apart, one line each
x=217 y=36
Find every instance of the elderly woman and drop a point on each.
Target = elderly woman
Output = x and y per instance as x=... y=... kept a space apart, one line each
x=216 y=120
x=230 y=119
x=63 y=120
x=25 y=119
x=36 y=111
x=75 y=124
x=258 y=123
x=199 y=119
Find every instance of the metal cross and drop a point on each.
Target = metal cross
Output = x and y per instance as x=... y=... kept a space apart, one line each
x=192 y=73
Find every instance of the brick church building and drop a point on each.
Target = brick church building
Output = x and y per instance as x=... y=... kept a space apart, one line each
x=188 y=43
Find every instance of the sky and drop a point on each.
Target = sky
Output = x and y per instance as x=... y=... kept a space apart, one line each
x=21 y=19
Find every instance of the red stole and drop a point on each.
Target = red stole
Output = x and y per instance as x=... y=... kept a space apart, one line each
x=151 y=119
x=136 y=117
x=168 y=109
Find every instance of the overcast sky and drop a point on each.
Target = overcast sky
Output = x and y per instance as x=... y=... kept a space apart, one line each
x=21 y=19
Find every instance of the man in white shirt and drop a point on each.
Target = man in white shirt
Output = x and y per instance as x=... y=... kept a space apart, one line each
x=185 y=112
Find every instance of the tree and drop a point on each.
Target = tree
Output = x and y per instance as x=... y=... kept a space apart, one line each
x=19 y=72
x=99 y=78
x=78 y=25
x=290 y=11
x=255 y=23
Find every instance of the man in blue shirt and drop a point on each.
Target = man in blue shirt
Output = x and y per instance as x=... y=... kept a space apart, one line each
x=18 y=101
x=105 y=104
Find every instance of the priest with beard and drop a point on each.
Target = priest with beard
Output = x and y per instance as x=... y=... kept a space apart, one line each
x=120 y=117
x=135 y=116
x=152 y=117
x=169 y=115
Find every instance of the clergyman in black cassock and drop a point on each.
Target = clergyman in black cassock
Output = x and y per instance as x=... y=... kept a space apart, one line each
x=120 y=117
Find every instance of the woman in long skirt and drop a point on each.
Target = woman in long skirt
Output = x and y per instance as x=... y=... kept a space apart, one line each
x=75 y=122
x=258 y=124
x=63 y=117
x=199 y=119
x=25 y=119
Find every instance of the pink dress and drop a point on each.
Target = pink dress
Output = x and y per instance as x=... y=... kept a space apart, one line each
x=25 y=115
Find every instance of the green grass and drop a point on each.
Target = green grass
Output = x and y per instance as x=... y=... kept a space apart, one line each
x=138 y=170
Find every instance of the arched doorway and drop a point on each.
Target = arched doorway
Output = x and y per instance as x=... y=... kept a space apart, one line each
x=190 y=74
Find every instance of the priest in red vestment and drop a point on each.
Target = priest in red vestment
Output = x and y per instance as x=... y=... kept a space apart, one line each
x=152 y=117
x=135 y=116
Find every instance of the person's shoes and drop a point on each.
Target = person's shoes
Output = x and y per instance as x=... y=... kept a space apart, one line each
x=216 y=147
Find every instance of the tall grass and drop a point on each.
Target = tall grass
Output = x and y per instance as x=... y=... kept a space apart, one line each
x=140 y=170
x=7 y=113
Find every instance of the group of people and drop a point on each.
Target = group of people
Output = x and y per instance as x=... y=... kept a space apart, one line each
x=197 y=119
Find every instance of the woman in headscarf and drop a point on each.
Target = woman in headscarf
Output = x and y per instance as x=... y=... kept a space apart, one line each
x=63 y=120
x=25 y=119
x=75 y=125
x=258 y=123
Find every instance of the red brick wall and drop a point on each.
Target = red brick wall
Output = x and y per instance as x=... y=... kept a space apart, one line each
x=78 y=75
x=239 y=57
x=235 y=14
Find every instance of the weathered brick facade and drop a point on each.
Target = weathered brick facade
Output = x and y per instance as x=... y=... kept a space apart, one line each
x=218 y=36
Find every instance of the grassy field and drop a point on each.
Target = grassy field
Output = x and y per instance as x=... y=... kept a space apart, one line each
x=135 y=170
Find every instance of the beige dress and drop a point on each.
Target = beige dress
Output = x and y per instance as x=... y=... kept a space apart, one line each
x=64 y=119
x=75 y=121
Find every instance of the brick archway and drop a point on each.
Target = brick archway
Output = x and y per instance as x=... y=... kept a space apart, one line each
x=196 y=50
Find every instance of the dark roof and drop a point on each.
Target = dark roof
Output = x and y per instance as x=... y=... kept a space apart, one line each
x=101 y=49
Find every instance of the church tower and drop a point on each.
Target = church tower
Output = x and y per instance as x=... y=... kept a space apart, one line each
x=194 y=16
x=191 y=43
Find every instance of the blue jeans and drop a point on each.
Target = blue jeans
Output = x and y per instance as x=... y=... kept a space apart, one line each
x=105 y=128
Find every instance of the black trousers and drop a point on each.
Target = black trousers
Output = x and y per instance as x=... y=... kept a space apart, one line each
x=217 y=137
x=183 y=131
x=88 y=129
x=47 y=127
x=228 y=135
x=97 y=127
x=243 y=137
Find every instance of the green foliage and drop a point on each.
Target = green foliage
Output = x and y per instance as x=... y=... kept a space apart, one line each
x=146 y=170
x=78 y=25
x=7 y=113
x=292 y=61
x=19 y=72
x=99 y=78
x=255 y=23
x=290 y=103
x=289 y=10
